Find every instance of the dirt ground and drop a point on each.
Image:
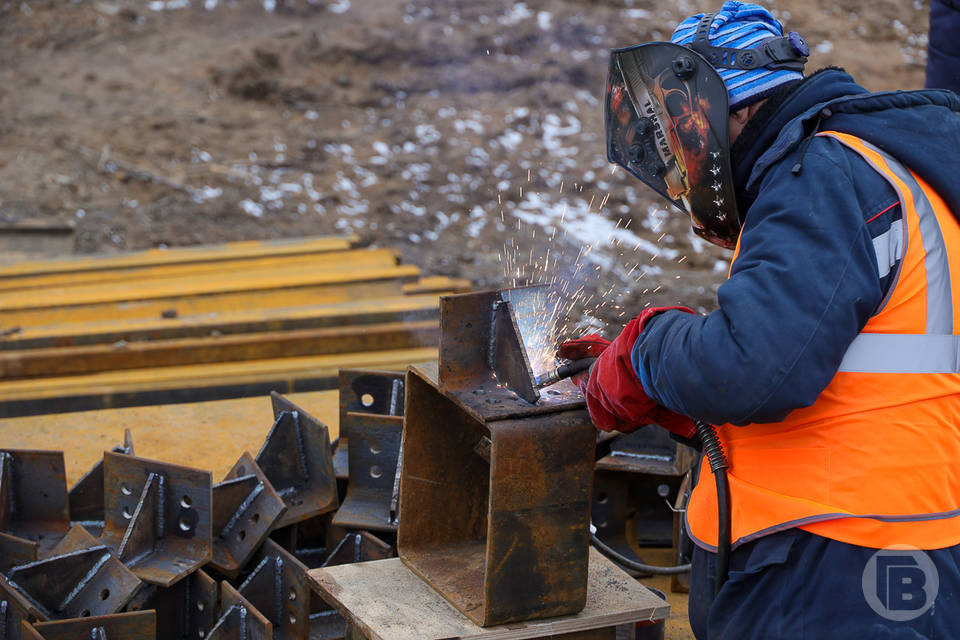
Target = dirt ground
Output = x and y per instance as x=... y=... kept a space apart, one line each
x=467 y=133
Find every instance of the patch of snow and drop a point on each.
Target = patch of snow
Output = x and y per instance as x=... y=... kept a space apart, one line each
x=255 y=209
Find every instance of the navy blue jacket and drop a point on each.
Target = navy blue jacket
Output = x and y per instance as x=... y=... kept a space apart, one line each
x=807 y=278
x=943 y=50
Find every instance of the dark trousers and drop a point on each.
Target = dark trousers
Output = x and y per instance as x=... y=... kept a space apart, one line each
x=795 y=585
x=943 y=51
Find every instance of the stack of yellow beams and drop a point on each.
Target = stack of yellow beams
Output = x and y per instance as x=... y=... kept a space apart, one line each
x=204 y=323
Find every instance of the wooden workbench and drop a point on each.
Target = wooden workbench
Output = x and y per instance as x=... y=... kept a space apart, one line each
x=384 y=600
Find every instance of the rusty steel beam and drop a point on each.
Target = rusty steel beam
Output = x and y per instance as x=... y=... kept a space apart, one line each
x=245 y=508
x=239 y=620
x=62 y=361
x=141 y=625
x=86 y=496
x=186 y=610
x=298 y=461
x=371 y=418
x=504 y=538
x=14 y=551
x=76 y=584
x=279 y=588
x=157 y=517
x=33 y=496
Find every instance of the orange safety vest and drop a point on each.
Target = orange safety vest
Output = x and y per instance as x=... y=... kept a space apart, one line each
x=875 y=461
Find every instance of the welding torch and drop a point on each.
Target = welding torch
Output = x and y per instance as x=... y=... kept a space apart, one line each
x=564 y=371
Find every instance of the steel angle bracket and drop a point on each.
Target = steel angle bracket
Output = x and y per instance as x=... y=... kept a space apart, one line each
x=15 y=608
x=14 y=551
x=298 y=461
x=77 y=539
x=358 y=547
x=279 y=588
x=157 y=517
x=141 y=625
x=371 y=418
x=186 y=610
x=239 y=620
x=86 y=496
x=245 y=507
x=33 y=496
x=76 y=584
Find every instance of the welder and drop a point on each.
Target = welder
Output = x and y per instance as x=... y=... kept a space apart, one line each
x=831 y=366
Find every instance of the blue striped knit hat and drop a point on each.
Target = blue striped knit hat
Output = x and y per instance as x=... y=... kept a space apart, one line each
x=741 y=26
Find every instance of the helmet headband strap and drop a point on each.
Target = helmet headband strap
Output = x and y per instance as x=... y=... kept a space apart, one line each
x=774 y=53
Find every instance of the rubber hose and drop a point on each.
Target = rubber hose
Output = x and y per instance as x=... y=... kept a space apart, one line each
x=623 y=560
x=713 y=449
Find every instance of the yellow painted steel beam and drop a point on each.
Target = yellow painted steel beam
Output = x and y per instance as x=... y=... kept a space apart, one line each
x=207 y=435
x=438 y=284
x=362 y=311
x=65 y=361
x=167 y=384
x=180 y=255
x=164 y=299
x=318 y=261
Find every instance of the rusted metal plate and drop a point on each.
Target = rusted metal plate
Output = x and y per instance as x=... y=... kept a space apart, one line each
x=16 y=608
x=239 y=619
x=86 y=496
x=648 y=450
x=245 y=507
x=77 y=539
x=15 y=551
x=141 y=625
x=358 y=547
x=77 y=584
x=279 y=588
x=504 y=540
x=371 y=418
x=187 y=610
x=298 y=461
x=33 y=496
x=158 y=517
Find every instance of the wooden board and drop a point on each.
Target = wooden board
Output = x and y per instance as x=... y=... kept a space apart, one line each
x=386 y=601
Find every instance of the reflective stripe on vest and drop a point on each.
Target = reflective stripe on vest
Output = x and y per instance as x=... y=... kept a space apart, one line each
x=876 y=460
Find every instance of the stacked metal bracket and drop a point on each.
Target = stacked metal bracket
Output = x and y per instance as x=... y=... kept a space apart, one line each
x=157 y=550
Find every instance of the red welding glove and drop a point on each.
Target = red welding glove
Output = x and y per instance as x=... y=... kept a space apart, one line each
x=615 y=398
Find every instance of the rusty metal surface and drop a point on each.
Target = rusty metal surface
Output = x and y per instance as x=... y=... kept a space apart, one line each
x=279 y=588
x=648 y=450
x=469 y=350
x=86 y=496
x=14 y=551
x=141 y=625
x=158 y=517
x=245 y=507
x=298 y=461
x=78 y=538
x=504 y=540
x=358 y=547
x=239 y=619
x=76 y=584
x=33 y=496
x=14 y=609
x=185 y=611
x=371 y=418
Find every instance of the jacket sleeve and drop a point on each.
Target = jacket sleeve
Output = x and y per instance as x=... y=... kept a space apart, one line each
x=804 y=284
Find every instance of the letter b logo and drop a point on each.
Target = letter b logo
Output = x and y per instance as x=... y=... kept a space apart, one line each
x=900 y=584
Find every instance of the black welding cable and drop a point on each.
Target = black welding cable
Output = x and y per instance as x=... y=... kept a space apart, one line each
x=713 y=449
x=626 y=562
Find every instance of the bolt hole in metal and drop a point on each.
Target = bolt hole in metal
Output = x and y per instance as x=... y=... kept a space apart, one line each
x=125 y=489
x=200 y=605
x=292 y=595
x=104 y=594
x=126 y=512
x=602 y=498
x=186 y=502
x=241 y=535
x=255 y=518
x=85 y=613
x=366 y=400
x=376 y=471
x=185 y=525
x=293 y=619
x=375 y=449
x=663 y=490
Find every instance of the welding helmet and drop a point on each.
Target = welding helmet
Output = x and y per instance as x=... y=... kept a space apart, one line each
x=668 y=120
